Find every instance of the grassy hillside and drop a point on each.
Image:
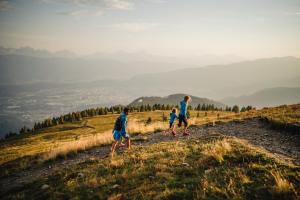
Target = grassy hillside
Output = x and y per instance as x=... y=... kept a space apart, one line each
x=173 y=100
x=212 y=166
x=87 y=133
x=21 y=151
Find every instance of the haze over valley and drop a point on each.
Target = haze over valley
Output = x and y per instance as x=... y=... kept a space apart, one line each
x=35 y=86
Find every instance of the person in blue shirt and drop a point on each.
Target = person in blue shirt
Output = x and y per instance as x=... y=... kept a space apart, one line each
x=183 y=114
x=120 y=131
x=173 y=117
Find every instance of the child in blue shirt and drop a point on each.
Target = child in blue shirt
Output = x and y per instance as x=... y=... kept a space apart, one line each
x=173 y=117
x=120 y=131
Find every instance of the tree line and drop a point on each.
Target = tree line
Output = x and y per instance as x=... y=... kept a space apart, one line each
x=79 y=115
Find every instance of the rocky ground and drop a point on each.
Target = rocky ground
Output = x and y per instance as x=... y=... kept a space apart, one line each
x=280 y=143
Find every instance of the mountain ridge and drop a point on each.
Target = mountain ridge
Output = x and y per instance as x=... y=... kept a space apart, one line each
x=173 y=99
x=226 y=80
x=267 y=97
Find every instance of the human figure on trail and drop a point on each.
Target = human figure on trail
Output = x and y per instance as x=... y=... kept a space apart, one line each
x=173 y=117
x=120 y=131
x=183 y=114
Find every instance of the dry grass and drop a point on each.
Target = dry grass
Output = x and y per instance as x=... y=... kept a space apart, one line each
x=134 y=126
x=69 y=138
x=116 y=162
x=218 y=149
x=79 y=145
x=157 y=172
x=282 y=184
x=76 y=135
x=243 y=177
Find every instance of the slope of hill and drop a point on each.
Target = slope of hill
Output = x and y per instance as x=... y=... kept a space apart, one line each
x=173 y=99
x=240 y=157
x=267 y=97
x=225 y=80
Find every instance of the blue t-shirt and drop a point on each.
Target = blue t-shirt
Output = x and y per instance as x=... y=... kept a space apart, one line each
x=123 y=131
x=183 y=108
x=173 y=116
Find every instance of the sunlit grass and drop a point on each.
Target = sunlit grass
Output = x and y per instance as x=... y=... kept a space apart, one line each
x=63 y=135
x=282 y=185
x=78 y=145
x=174 y=170
x=218 y=149
x=60 y=140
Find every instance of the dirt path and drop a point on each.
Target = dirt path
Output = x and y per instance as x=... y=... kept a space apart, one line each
x=282 y=144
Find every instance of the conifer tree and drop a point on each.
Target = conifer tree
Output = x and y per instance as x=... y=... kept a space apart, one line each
x=235 y=109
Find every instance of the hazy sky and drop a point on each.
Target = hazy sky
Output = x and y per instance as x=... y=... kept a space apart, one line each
x=247 y=28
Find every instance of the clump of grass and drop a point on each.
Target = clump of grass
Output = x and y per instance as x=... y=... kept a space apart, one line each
x=218 y=149
x=282 y=185
x=116 y=162
x=137 y=127
x=116 y=197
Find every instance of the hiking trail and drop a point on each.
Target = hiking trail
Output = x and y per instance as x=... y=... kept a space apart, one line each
x=281 y=144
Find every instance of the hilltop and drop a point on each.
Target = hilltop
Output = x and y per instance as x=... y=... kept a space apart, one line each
x=247 y=155
x=174 y=99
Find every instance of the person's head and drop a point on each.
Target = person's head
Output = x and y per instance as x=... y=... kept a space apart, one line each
x=174 y=110
x=187 y=98
x=126 y=111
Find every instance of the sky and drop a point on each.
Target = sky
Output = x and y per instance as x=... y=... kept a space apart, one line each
x=246 y=28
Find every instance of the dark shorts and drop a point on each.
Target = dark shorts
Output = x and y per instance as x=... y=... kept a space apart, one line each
x=183 y=119
x=171 y=124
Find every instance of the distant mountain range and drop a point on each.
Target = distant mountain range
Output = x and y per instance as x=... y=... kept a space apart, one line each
x=267 y=97
x=40 y=53
x=122 y=56
x=222 y=81
x=36 y=83
x=174 y=99
x=26 y=68
x=28 y=65
x=20 y=69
